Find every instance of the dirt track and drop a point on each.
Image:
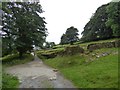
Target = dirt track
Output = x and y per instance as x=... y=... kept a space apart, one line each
x=36 y=74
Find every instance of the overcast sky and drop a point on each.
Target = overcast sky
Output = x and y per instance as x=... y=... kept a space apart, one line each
x=62 y=14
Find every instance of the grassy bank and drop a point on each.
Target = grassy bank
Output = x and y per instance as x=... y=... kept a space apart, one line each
x=89 y=71
x=9 y=81
x=14 y=59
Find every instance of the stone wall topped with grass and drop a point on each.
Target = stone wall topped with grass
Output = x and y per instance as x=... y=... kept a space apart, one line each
x=72 y=50
x=112 y=44
x=69 y=50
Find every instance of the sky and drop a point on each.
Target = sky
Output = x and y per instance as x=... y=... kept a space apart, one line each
x=62 y=14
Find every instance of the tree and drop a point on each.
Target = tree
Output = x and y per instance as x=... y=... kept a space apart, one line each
x=0 y=17
x=49 y=45
x=23 y=26
x=52 y=44
x=113 y=10
x=70 y=36
x=64 y=39
x=96 y=28
x=1 y=13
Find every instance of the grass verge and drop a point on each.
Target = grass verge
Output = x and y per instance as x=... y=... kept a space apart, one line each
x=11 y=60
x=102 y=72
x=9 y=81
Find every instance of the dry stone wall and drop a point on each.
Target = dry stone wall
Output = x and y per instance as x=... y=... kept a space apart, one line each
x=95 y=46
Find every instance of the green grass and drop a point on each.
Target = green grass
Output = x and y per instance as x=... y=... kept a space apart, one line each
x=9 y=81
x=100 y=73
x=14 y=59
x=0 y=76
x=64 y=61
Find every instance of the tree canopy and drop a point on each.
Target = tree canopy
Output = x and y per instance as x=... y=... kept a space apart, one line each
x=113 y=10
x=0 y=13
x=104 y=23
x=64 y=39
x=22 y=26
x=70 y=36
x=49 y=45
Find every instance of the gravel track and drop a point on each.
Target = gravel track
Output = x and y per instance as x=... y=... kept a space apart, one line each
x=36 y=74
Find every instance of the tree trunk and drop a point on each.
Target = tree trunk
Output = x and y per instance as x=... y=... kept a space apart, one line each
x=20 y=55
x=71 y=43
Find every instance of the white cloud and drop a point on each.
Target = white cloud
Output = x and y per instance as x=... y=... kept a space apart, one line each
x=61 y=14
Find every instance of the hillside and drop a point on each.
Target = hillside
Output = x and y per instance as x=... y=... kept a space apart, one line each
x=96 y=69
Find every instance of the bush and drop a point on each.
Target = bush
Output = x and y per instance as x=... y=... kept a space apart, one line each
x=9 y=58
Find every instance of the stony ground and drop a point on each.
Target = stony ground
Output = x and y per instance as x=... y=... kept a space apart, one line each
x=36 y=74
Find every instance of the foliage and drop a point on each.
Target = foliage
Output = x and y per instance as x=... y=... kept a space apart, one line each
x=0 y=13
x=96 y=28
x=49 y=45
x=22 y=26
x=0 y=17
x=0 y=4
x=64 y=39
x=113 y=10
x=70 y=36
x=104 y=24
x=6 y=47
